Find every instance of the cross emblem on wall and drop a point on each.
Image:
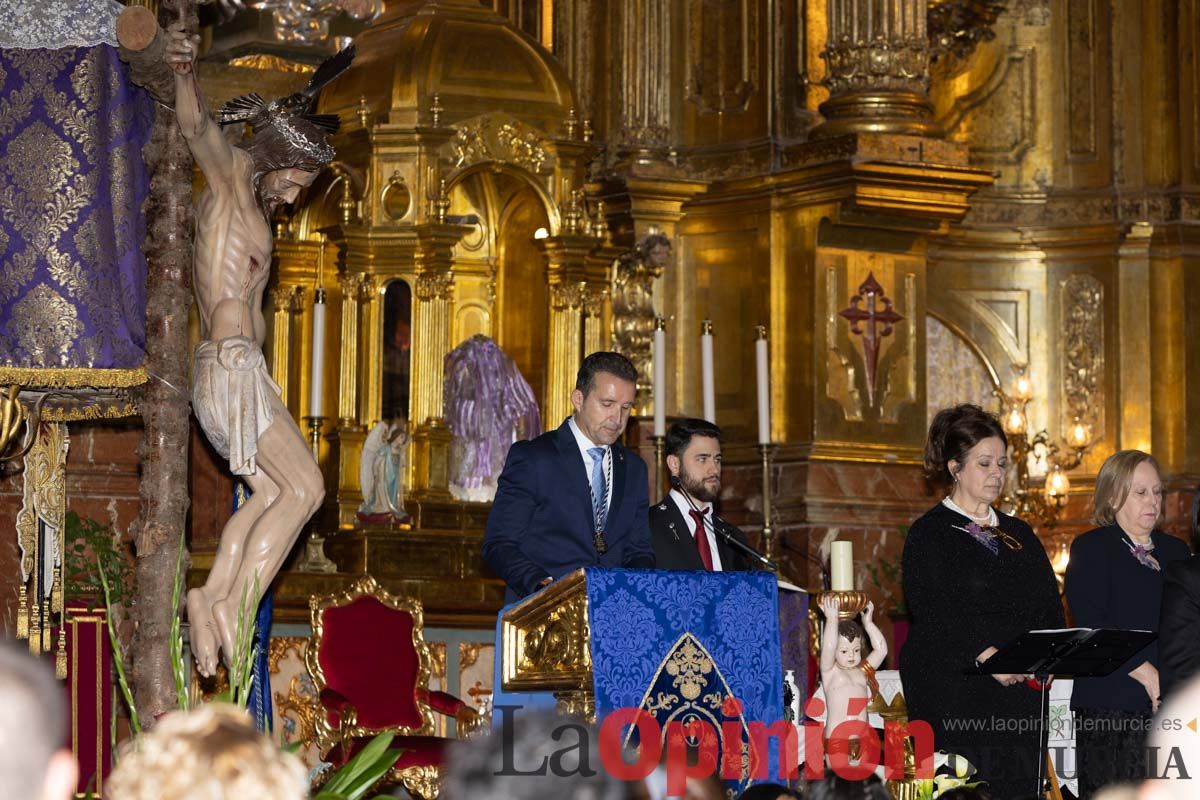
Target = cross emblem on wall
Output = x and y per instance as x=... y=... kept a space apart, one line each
x=873 y=321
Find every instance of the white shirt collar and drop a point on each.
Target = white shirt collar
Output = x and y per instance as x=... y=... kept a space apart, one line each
x=583 y=441
x=585 y=444
x=685 y=508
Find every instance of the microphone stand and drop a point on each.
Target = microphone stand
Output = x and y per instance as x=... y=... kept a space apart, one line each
x=711 y=524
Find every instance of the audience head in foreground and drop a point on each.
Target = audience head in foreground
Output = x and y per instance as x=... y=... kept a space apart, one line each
x=33 y=727
x=211 y=753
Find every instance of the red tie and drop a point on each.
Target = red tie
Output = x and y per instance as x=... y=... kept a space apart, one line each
x=701 y=537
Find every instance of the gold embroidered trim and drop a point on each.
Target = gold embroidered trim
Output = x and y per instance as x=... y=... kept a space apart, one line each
x=72 y=377
x=89 y=412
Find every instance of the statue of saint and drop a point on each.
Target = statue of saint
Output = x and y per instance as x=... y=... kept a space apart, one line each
x=633 y=308
x=488 y=405
x=233 y=396
x=381 y=473
x=847 y=678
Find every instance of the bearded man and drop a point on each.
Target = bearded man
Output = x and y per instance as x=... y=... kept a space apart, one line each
x=685 y=531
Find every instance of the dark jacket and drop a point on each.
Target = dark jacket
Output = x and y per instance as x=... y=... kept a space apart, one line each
x=674 y=547
x=541 y=523
x=1107 y=588
x=1178 y=623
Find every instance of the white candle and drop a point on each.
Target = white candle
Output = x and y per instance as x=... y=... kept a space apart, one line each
x=316 y=393
x=764 y=387
x=841 y=566
x=707 y=386
x=660 y=377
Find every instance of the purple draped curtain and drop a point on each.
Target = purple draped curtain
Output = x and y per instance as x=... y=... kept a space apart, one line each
x=72 y=183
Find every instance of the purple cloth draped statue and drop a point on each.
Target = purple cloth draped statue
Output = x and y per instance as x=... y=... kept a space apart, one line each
x=488 y=406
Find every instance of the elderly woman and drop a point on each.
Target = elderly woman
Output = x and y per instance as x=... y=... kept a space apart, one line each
x=1115 y=580
x=975 y=579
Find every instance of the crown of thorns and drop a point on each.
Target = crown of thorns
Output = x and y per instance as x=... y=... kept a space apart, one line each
x=304 y=132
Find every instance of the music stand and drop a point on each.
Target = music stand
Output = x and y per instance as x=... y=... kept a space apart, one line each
x=1073 y=653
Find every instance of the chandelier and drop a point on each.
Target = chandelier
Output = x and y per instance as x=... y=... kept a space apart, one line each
x=1040 y=506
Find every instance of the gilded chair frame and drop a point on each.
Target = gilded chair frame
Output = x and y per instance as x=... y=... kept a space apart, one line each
x=326 y=734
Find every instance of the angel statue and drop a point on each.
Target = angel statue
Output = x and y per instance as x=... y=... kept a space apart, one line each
x=488 y=405
x=234 y=399
x=381 y=473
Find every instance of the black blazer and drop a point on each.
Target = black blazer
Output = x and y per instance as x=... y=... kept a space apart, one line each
x=1178 y=642
x=1107 y=588
x=674 y=547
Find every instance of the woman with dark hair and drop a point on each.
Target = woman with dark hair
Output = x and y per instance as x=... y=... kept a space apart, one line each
x=975 y=579
x=1115 y=580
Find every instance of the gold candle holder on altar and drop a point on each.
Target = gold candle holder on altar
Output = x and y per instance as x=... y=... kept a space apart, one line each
x=850 y=604
x=314 y=559
x=659 y=475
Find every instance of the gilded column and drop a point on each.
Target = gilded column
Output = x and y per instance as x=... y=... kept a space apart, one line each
x=431 y=330
x=594 y=298
x=645 y=36
x=288 y=301
x=433 y=295
x=597 y=300
x=370 y=347
x=878 y=56
x=347 y=438
x=351 y=286
x=566 y=260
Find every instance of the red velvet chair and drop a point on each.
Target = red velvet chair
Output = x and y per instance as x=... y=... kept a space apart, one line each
x=370 y=666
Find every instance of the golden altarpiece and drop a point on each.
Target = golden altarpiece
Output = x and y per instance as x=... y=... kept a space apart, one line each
x=918 y=200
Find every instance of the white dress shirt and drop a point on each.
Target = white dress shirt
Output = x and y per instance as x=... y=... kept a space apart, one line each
x=586 y=444
x=686 y=509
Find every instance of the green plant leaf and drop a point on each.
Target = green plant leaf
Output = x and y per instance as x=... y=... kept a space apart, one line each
x=118 y=656
x=356 y=777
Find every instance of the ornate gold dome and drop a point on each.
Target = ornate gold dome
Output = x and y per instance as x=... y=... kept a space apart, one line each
x=472 y=59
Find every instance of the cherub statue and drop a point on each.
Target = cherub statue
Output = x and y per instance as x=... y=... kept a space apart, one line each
x=233 y=396
x=488 y=405
x=848 y=680
x=381 y=473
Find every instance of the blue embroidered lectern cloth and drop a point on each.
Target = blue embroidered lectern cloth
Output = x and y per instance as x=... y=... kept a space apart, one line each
x=679 y=644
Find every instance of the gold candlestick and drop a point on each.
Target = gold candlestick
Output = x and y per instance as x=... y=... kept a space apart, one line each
x=315 y=559
x=660 y=444
x=769 y=543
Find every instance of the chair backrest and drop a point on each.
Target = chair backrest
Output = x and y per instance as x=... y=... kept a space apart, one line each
x=370 y=649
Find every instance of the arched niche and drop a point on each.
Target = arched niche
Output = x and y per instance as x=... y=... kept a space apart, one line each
x=955 y=370
x=500 y=274
x=395 y=381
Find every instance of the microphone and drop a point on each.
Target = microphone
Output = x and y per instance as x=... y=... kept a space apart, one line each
x=726 y=536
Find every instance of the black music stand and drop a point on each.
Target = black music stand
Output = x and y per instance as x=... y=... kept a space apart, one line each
x=1073 y=653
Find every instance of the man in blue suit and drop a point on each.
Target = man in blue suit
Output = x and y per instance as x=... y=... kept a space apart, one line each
x=573 y=497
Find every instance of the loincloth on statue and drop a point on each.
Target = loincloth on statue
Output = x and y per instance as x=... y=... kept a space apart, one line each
x=230 y=383
x=850 y=747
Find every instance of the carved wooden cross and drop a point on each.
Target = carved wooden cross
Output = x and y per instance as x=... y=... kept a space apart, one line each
x=873 y=316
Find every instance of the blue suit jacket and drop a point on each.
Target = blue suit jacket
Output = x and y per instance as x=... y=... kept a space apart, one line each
x=541 y=520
